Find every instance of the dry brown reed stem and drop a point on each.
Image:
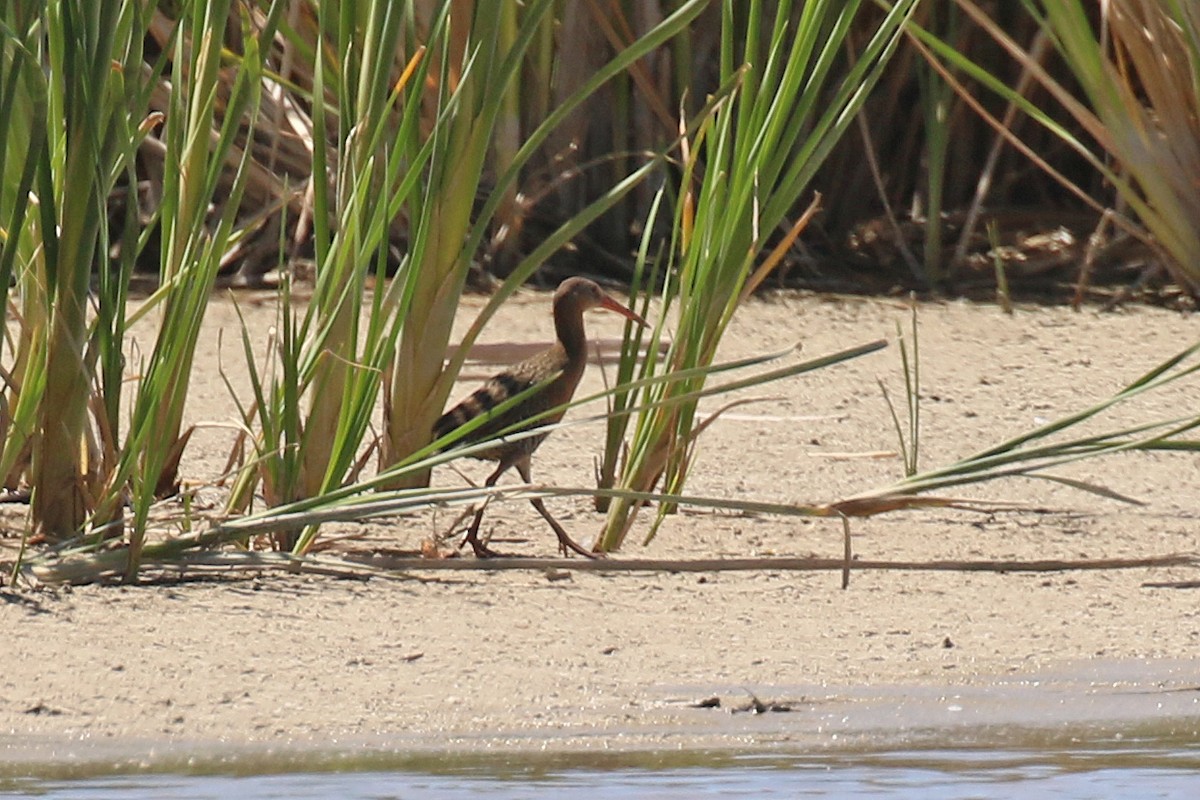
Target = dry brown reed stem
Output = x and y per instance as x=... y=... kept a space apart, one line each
x=218 y=565
x=784 y=564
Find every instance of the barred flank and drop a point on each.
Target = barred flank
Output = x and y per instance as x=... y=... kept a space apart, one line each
x=480 y=402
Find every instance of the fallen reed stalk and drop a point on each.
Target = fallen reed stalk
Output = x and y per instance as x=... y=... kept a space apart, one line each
x=783 y=564
x=399 y=567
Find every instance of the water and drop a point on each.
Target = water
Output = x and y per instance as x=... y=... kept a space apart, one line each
x=1144 y=768
x=850 y=782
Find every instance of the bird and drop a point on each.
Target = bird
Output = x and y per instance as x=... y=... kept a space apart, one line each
x=562 y=365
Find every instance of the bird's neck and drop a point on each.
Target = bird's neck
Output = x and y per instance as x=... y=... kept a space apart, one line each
x=568 y=325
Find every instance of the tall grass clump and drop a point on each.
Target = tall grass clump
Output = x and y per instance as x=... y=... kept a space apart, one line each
x=446 y=232
x=204 y=168
x=83 y=99
x=73 y=87
x=314 y=399
x=743 y=172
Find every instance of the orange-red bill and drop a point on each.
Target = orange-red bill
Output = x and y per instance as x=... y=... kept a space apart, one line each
x=613 y=305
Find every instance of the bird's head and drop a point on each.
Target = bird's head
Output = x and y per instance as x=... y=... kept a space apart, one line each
x=585 y=294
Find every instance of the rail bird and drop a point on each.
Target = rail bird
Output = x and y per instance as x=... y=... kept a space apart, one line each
x=560 y=367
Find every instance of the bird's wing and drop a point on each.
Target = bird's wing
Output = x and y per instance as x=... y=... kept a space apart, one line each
x=494 y=392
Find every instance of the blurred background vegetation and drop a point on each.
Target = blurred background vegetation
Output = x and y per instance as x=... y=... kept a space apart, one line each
x=907 y=195
x=387 y=156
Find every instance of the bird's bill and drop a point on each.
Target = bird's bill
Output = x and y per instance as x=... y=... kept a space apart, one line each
x=613 y=305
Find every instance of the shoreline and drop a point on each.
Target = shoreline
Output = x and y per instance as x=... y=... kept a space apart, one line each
x=1100 y=704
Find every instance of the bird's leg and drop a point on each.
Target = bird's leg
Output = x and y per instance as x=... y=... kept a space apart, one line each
x=565 y=542
x=481 y=549
x=453 y=529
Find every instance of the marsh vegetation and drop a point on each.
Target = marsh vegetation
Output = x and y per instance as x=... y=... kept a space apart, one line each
x=368 y=163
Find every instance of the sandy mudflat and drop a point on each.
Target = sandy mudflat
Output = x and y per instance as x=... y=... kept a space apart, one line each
x=533 y=660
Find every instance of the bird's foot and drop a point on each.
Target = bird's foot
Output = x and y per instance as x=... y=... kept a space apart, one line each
x=481 y=549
